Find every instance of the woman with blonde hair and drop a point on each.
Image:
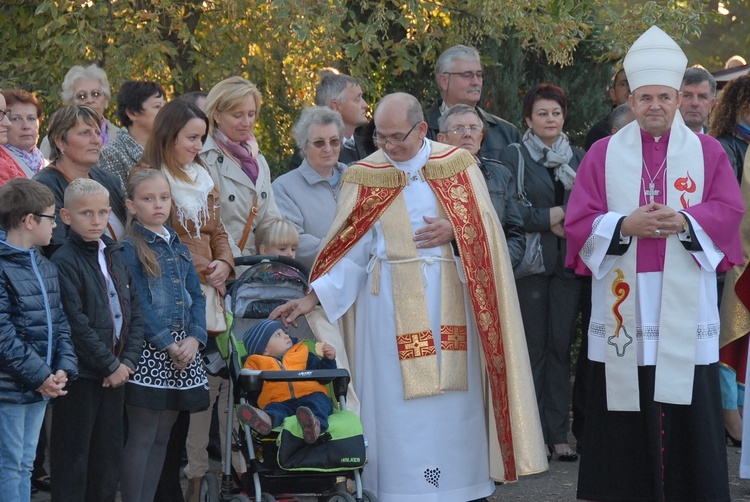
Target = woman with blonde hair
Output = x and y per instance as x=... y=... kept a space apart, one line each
x=234 y=161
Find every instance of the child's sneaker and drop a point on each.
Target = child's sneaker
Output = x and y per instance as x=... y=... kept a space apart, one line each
x=256 y=419
x=309 y=423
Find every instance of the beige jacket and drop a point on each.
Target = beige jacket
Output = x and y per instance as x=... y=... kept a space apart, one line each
x=237 y=194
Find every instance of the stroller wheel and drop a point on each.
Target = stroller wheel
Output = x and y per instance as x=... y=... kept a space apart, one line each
x=368 y=496
x=341 y=497
x=209 y=488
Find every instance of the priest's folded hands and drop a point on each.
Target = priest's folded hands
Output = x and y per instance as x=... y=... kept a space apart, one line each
x=653 y=220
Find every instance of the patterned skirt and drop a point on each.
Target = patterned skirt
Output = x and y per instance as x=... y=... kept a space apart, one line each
x=159 y=385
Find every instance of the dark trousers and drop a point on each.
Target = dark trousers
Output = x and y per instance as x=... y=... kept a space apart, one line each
x=169 y=488
x=86 y=442
x=549 y=308
x=583 y=375
x=319 y=403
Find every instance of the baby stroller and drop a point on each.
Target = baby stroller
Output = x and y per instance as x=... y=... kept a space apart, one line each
x=281 y=463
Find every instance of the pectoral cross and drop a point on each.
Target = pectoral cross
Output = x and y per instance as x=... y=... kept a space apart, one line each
x=651 y=192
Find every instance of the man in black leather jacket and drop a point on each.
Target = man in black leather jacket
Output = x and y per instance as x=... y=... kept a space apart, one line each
x=458 y=73
x=461 y=126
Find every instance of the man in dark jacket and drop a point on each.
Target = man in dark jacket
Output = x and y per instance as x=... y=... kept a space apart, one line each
x=103 y=307
x=458 y=73
x=462 y=127
x=36 y=353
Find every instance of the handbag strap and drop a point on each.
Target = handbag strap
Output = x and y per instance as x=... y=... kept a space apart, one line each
x=248 y=224
x=520 y=167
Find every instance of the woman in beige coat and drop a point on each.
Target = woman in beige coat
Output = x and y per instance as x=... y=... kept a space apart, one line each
x=238 y=169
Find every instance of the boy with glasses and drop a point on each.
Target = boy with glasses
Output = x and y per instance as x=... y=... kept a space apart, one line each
x=36 y=353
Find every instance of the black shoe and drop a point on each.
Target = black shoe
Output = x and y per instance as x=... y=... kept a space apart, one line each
x=42 y=484
x=568 y=456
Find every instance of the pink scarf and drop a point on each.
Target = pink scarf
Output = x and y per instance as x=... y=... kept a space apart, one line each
x=240 y=152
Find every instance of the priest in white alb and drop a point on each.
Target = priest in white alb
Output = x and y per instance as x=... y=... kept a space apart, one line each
x=653 y=216
x=437 y=347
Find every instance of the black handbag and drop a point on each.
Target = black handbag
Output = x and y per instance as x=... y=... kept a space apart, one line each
x=533 y=261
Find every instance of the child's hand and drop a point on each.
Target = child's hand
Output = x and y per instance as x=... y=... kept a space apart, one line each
x=119 y=377
x=187 y=350
x=329 y=351
x=53 y=388
x=174 y=353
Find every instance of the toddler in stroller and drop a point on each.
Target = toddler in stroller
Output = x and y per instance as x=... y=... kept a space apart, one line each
x=284 y=463
x=270 y=348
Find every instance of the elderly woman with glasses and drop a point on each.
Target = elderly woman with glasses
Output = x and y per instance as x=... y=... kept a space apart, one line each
x=87 y=86
x=307 y=195
x=23 y=133
x=235 y=163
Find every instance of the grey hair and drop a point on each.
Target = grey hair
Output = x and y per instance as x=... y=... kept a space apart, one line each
x=618 y=116
x=445 y=61
x=697 y=74
x=92 y=72
x=332 y=86
x=82 y=186
x=315 y=115
x=459 y=109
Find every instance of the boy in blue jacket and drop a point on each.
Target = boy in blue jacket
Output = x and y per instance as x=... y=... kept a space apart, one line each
x=104 y=311
x=36 y=353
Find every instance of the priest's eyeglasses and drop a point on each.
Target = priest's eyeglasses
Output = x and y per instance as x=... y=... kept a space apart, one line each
x=461 y=130
x=384 y=140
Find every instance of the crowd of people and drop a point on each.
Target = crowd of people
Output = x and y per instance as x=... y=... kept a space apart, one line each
x=454 y=257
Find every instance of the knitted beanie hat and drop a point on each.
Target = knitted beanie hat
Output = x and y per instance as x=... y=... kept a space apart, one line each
x=256 y=338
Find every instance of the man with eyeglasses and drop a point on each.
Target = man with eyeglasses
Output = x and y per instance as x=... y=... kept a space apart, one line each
x=426 y=314
x=459 y=76
x=462 y=127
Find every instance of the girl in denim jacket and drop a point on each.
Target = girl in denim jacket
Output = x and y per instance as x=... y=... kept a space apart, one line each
x=170 y=376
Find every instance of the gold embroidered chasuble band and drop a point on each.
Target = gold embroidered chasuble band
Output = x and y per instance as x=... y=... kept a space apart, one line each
x=678 y=319
x=422 y=376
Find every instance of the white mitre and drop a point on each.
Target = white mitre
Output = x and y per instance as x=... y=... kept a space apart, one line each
x=655 y=59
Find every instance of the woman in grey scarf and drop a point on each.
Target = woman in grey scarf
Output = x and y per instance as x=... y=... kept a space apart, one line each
x=549 y=300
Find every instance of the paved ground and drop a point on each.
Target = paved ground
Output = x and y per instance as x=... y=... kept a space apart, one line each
x=559 y=484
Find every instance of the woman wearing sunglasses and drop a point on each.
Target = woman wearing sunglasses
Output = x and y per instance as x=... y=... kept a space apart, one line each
x=307 y=195
x=87 y=86
x=231 y=155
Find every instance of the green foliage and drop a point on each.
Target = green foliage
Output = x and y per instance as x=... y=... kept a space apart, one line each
x=282 y=44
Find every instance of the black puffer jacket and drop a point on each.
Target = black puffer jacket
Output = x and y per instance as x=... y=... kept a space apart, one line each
x=87 y=307
x=33 y=327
